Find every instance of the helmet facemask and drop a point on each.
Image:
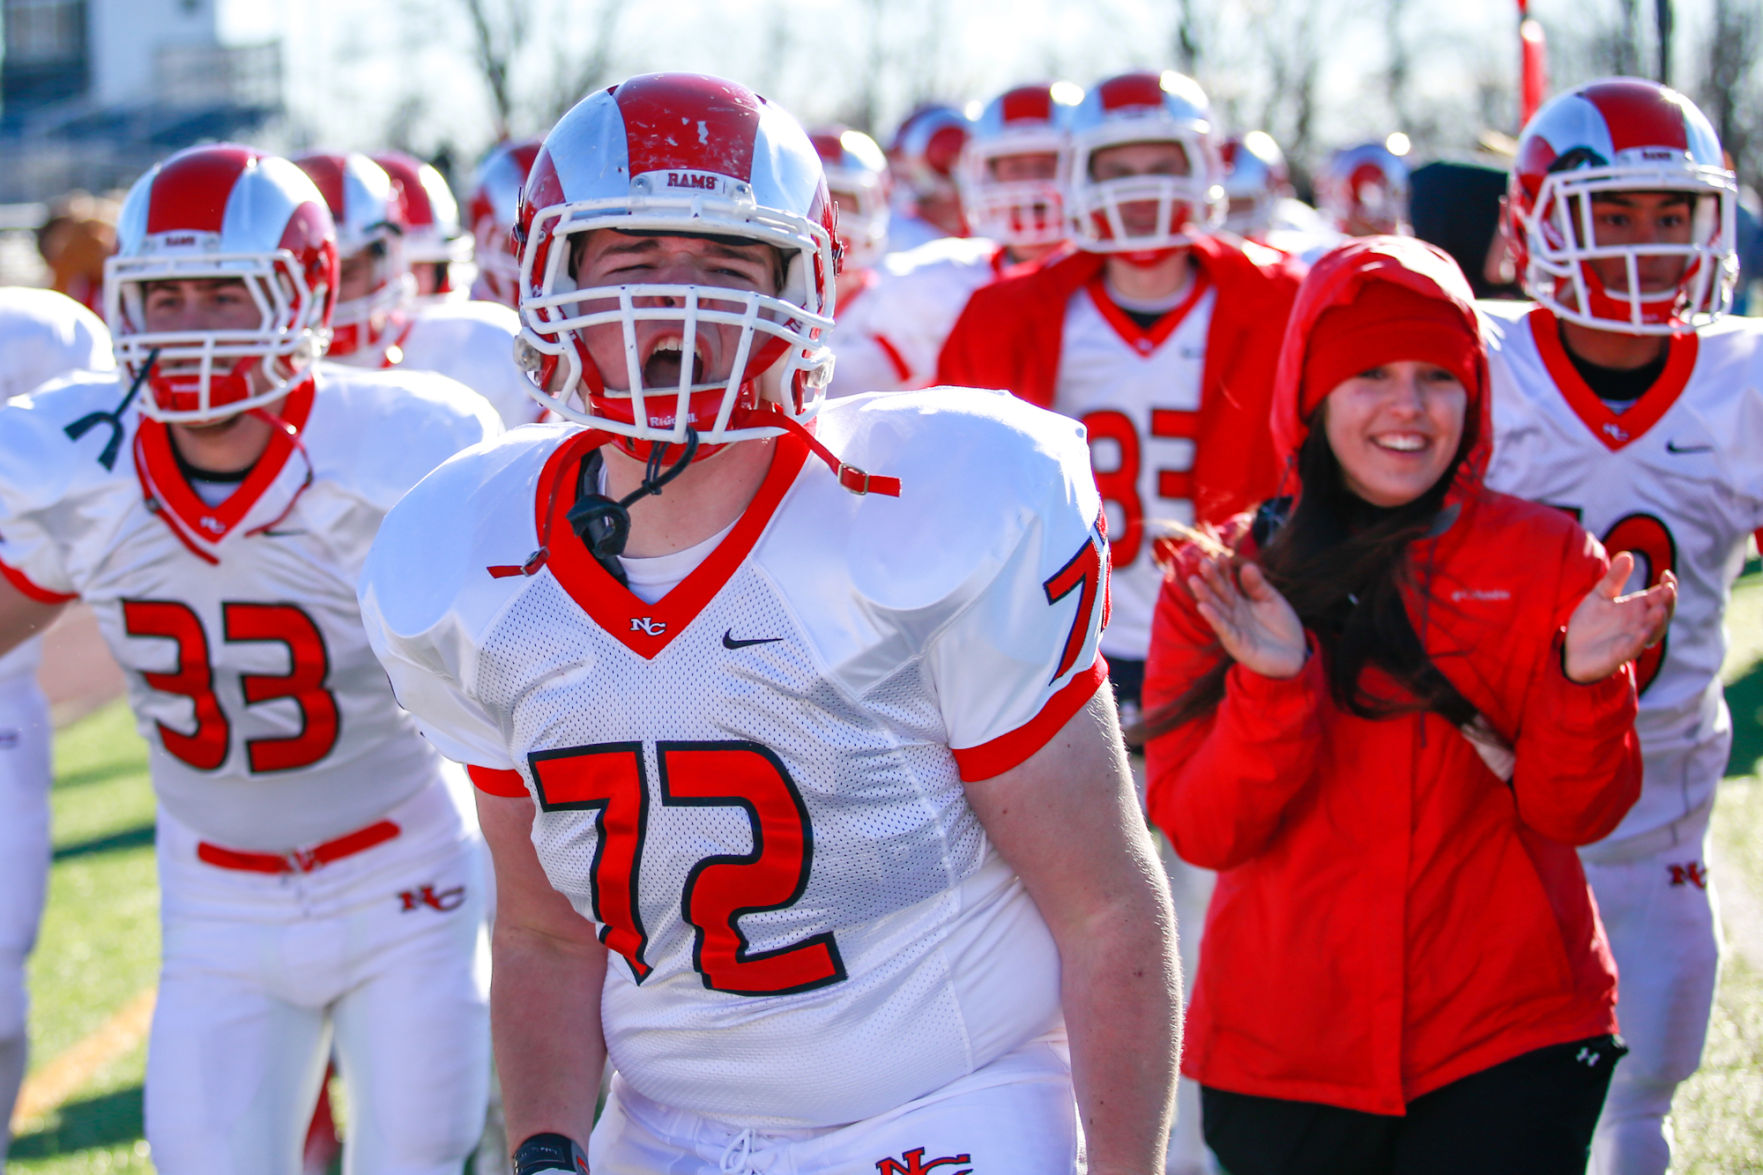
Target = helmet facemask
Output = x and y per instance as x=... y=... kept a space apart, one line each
x=1187 y=206
x=206 y=375
x=365 y=323
x=778 y=359
x=1561 y=249
x=1016 y=212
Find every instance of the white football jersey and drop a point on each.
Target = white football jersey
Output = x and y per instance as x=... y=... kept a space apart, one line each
x=471 y=342
x=1677 y=479
x=44 y=335
x=889 y=335
x=270 y=723
x=1137 y=393
x=754 y=785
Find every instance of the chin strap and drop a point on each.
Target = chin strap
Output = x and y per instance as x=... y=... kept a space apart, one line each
x=604 y=525
x=851 y=477
x=113 y=418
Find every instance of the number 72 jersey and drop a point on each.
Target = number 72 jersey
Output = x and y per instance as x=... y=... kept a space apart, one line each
x=754 y=786
x=1676 y=478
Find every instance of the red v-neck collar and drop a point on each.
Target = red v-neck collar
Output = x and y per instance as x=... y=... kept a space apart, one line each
x=1131 y=333
x=1615 y=429
x=646 y=629
x=162 y=480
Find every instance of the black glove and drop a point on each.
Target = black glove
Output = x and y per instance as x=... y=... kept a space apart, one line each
x=550 y=1152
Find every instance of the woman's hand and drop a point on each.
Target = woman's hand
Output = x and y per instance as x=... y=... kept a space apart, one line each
x=1608 y=629
x=1254 y=623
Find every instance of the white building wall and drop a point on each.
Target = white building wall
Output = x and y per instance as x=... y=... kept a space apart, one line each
x=127 y=35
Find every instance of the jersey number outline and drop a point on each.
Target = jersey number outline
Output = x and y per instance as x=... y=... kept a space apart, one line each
x=1648 y=539
x=611 y=780
x=305 y=683
x=1120 y=485
x=1089 y=567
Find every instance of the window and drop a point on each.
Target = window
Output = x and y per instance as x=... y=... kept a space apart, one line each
x=44 y=31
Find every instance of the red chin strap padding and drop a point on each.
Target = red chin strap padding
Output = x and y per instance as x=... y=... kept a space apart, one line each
x=851 y=477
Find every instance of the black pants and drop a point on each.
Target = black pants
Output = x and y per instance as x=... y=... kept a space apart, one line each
x=1532 y=1115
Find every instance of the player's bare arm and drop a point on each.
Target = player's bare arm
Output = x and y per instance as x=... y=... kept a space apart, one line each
x=548 y=968
x=1068 y=822
x=22 y=617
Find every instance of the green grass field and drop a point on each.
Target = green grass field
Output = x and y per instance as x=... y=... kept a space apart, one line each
x=100 y=945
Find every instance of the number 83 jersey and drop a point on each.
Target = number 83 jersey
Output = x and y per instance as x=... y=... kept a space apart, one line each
x=754 y=785
x=270 y=723
x=1676 y=478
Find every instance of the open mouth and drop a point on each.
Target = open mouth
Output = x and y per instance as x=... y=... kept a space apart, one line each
x=668 y=359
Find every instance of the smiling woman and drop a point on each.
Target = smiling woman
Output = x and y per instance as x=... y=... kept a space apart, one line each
x=1388 y=880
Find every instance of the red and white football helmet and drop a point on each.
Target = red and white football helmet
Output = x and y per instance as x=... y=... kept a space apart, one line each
x=495 y=200
x=223 y=212
x=369 y=214
x=692 y=155
x=926 y=147
x=857 y=177
x=1255 y=180
x=1622 y=134
x=1363 y=189
x=432 y=235
x=1025 y=121
x=1145 y=107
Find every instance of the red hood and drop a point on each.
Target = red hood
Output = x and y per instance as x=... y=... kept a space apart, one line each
x=1335 y=280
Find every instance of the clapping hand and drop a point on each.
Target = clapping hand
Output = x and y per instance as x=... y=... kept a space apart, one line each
x=1608 y=629
x=1254 y=623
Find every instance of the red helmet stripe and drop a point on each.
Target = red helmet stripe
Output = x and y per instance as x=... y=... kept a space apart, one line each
x=406 y=176
x=719 y=138
x=190 y=192
x=1027 y=104
x=327 y=173
x=1639 y=115
x=1131 y=89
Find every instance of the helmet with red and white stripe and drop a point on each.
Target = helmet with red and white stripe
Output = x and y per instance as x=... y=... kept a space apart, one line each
x=1623 y=135
x=927 y=145
x=369 y=214
x=1255 y=178
x=223 y=213
x=1012 y=171
x=1363 y=189
x=1189 y=200
x=432 y=235
x=857 y=177
x=679 y=155
x=495 y=200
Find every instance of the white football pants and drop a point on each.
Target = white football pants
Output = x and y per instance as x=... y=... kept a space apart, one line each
x=1660 y=915
x=1016 y=1115
x=249 y=1007
x=24 y=868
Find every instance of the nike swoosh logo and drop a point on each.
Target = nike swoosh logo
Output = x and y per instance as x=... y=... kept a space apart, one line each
x=282 y=534
x=1674 y=447
x=729 y=641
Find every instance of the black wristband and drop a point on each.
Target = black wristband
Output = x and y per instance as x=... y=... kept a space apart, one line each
x=549 y=1152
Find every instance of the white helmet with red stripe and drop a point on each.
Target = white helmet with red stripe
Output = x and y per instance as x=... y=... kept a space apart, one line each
x=223 y=213
x=1614 y=136
x=369 y=214
x=1012 y=171
x=681 y=155
x=494 y=203
x=1145 y=107
x=1363 y=189
x=1255 y=178
x=857 y=177
x=432 y=235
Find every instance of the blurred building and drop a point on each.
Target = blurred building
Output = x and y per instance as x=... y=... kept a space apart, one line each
x=94 y=91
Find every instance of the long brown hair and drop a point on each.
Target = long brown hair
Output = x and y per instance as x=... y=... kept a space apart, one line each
x=1341 y=564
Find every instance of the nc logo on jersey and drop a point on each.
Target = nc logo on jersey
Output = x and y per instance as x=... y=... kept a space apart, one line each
x=913 y=1163
x=647 y=626
x=1615 y=431
x=445 y=901
x=1693 y=873
x=213 y=525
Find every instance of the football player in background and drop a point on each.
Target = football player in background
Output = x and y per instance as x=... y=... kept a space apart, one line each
x=318 y=878
x=1263 y=207
x=45 y=335
x=823 y=832
x=495 y=195
x=382 y=324
x=1627 y=398
x=1160 y=337
x=1362 y=190
x=922 y=158
x=1010 y=177
x=436 y=247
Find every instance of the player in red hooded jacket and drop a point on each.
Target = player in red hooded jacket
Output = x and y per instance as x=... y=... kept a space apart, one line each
x=1386 y=715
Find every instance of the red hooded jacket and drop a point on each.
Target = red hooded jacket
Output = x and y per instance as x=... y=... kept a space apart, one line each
x=1390 y=915
x=1011 y=334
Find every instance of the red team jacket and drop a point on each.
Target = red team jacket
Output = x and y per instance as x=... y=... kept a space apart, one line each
x=1010 y=336
x=1390 y=915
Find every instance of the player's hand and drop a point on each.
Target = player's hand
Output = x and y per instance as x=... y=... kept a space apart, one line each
x=1609 y=629
x=1254 y=623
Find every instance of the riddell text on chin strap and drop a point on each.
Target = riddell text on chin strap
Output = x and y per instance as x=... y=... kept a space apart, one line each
x=604 y=525
x=113 y=418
